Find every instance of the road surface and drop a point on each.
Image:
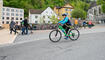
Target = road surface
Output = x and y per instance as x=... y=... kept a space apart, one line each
x=88 y=47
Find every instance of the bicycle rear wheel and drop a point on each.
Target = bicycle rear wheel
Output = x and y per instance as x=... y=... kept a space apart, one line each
x=74 y=34
x=55 y=36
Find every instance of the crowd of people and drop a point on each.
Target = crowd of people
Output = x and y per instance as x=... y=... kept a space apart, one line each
x=25 y=26
x=83 y=23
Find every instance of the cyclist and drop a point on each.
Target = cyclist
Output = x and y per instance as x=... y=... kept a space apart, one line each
x=66 y=22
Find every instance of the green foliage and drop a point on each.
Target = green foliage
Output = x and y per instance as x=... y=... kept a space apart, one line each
x=102 y=3
x=43 y=4
x=42 y=21
x=81 y=5
x=103 y=8
x=54 y=20
x=79 y=13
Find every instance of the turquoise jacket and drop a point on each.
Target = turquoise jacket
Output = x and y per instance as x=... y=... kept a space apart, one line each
x=65 y=20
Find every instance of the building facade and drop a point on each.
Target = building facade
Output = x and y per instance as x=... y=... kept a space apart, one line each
x=1 y=5
x=95 y=14
x=9 y=14
x=41 y=16
x=65 y=9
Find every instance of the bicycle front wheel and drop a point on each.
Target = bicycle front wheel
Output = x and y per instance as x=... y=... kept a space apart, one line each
x=74 y=34
x=55 y=36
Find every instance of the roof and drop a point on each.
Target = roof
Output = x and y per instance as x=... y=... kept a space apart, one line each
x=35 y=11
x=92 y=4
x=59 y=7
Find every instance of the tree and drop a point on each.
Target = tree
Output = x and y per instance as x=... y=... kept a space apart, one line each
x=103 y=8
x=42 y=21
x=43 y=4
x=78 y=13
x=54 y=20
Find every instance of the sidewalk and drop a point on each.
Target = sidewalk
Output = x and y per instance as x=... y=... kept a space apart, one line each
x=5 y=37
x=44 y=34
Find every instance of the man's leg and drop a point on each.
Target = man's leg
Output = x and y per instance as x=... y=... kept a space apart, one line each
x=66 y=29
x=26 y=30
x=23 y=32
x=10 y=30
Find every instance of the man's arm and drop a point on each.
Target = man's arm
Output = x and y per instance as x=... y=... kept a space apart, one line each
x=64 y=21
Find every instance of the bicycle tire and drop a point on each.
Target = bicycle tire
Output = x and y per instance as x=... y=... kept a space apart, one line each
x=73 y=39
x=59 y=38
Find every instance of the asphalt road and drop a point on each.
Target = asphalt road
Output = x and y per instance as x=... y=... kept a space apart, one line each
x=88 y=47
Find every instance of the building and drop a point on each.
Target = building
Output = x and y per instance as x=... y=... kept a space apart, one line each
x=1 y=5
x=95 y=14
x=9 y=14
x=65 y=9
x=41 y=16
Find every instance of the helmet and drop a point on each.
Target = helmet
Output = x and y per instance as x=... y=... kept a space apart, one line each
x=64 y=14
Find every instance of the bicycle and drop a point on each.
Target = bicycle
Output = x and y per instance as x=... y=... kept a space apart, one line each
x=73 y=34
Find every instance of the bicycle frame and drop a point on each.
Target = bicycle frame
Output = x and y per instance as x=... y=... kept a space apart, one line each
x=61 y=28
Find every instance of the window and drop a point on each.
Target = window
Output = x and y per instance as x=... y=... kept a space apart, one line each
x=17 y=15
x=36 y=16
x=2 y=22
x=16 y=10
x=12 y=18
x=7 y=22
x=3 y=18
x=8 y=14
x=66 y=9
x=3 y=9
x=70 y=9
x=36 y=22
x=12 y=14
x=21 y=11
x=99 y=10
x=48 y=21
x=8 y=9
x=12 y=10
x=21 y=14
x=7 y=18
x=3 y=13
x=48 y=16
x=51 y=12
x=43 y=16
x=16 y=18
x=21 y=19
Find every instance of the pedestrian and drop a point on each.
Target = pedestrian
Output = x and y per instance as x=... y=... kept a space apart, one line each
x=76 y=23
x=90 y=24
x=23 y=27
x=26 y=25
x=84 y=24
x=16 y=27
x=12 y=26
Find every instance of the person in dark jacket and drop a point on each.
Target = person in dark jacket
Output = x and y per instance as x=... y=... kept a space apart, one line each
x=12 y=26
x=22 y=27
x=26 y=25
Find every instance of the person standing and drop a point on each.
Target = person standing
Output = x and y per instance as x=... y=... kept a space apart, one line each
x=16 y=27
x=12 y=26
x=76 y=23
x=23 y=27
x=26 y=25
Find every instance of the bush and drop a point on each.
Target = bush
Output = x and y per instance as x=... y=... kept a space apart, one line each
x=78 y=13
